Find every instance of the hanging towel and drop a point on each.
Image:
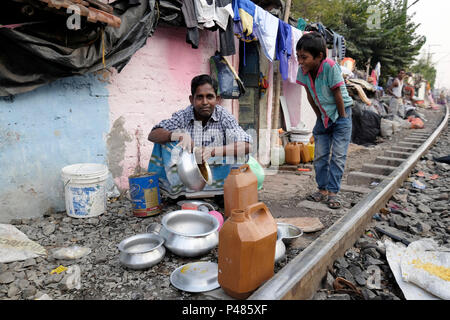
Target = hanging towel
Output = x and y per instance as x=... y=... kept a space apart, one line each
x=266 y=30
x=293 y=61
x=284 y=47
x=223 y=11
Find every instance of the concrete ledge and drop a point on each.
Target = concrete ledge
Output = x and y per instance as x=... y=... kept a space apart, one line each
x=378 y=169
x=363 y=178
x=316 y=206
x=388 y=161
x=397 y=154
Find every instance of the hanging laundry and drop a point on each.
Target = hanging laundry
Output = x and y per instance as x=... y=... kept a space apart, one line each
x=293 y=61
x=226 y=35
x=326 y=33
x=284 y=47
x=190 y=18
x=378 y=70
x=339 y=48
x=301 y=24
x=244 y=12
x=266 y=30
x=205 y=12
x=223 y=12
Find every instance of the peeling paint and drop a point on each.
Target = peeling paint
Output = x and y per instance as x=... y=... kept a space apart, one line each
x=116 y=146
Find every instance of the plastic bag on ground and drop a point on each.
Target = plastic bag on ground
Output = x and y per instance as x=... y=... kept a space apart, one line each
x=409 y=265
x=386 y=128
x=71 y=253
x=426 y=265
x=416 y=123
x=366 y=125
x=15 y=245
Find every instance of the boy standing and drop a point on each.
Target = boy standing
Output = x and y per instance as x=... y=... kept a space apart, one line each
x=329 y=98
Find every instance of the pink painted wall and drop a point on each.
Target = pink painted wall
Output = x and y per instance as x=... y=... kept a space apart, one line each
x=155 y=84
x=298 y=105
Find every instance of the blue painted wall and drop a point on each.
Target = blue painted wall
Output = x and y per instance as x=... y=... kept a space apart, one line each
x=42 y=131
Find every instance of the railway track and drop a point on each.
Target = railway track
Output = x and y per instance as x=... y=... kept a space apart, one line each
x=301 y=278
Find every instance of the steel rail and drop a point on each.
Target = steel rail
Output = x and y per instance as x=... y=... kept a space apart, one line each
x=301 y=278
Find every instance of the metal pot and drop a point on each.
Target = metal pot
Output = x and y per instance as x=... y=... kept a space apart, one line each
x=187 y=233
x=141 y=251
x=193 y=175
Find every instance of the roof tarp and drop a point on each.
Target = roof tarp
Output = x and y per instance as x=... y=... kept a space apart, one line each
x=28 y=60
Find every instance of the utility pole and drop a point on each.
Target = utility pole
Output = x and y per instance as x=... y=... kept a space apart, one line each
x=277 y=81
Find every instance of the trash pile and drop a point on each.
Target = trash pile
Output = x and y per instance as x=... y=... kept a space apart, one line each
x=378 y=114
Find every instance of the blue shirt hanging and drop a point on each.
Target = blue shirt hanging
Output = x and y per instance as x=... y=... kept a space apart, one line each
x=284 y=47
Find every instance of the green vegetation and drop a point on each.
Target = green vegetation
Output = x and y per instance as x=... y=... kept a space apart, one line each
x=379 y=30
x=426 y=68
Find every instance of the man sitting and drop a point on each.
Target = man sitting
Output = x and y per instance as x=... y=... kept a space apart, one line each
x=205 y=128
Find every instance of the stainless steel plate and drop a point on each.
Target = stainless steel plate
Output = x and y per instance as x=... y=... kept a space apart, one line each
x=202 y=205
x=196 y=277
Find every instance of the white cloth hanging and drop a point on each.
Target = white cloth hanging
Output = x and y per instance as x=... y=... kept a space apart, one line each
x=205 y=12
x=293 y=62
x=222 y=14
x=265 y=27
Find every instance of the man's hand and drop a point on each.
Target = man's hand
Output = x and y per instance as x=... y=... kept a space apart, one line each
x=204 y=154
x=185 y=140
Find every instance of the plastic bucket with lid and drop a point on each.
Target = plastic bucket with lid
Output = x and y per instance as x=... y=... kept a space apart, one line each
x=85 y=189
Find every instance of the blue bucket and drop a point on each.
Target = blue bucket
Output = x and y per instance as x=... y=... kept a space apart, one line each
x=144 y=193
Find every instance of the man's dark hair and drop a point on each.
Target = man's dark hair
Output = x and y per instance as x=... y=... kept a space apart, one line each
x=314 y=43
x=201 y=80
x=401 y=70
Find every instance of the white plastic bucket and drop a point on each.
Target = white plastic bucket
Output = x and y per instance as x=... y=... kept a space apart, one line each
x=85 y=189
x=303 y=138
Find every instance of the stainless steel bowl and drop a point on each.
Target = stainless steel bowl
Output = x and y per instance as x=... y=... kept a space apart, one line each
x=196 y=277
x=141 y=251
x=188 y=233
x=194 y=176
x=289 y=233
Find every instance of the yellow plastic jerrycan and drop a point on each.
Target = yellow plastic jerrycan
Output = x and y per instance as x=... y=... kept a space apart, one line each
x=311 y=148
